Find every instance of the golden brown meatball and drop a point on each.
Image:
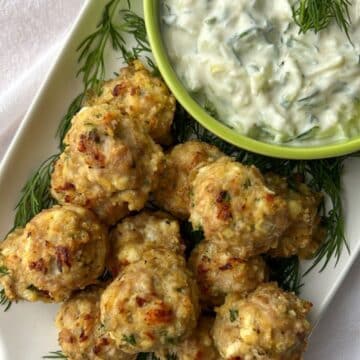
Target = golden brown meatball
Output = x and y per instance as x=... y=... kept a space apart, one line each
x=137 y=234
x=110 y=164
x=152 y=303
x=266 y=324
x=144 y=97
x=60 y=250
x=305 y=233
x=81 y=334
x=198 y=346
x=173 y=192
x=232 y=205
x=219 y=271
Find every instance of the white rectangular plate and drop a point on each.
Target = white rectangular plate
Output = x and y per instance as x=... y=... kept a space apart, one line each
x=27 y=331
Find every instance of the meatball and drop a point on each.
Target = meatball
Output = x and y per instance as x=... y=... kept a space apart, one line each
x=137 y=234
x=152 y=303
x=110 y=164
x=144 y=97
x=232 y=205
x=173 y=192
x=81 y=334
x=199 y=346
x=305 y=233
x=219 y=271
x=266 y=324
x=60 y=250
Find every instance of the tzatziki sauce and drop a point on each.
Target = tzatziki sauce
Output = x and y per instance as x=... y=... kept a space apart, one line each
x=248 y=61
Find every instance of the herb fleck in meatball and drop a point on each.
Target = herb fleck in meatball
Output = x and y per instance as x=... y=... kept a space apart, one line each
x=110 y=164
x=144 y=97
x=81 y=334
x=60 y=250
x=173 y=192
x=266 y=324
x=305 y=233
x=152 y=303
x=219 y=271
x=232 y=204
x=198 y=346
x=137 y=234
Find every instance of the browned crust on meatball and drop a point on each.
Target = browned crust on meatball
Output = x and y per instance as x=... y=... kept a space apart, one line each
x=109 y=165
x=144 y=97
x=268 y=323
x=181 y=163
x=305 y=233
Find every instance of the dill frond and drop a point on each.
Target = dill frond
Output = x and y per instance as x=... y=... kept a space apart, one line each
x=326 y=176
x=65 y=122
x=286 y=272
x=317 y=15
x=35 y=195
x=4 y=301
x=134 y=25
x=55 y=355
x=92 y=48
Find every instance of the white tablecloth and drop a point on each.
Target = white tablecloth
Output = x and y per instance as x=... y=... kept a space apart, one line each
x=31 y=31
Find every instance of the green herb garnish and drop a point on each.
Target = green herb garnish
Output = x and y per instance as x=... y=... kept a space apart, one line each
x=35 y=195
x=55 y=355
x=234 y=314
x=130 y=339
x=3 y=271
x=286 y=272
x=4 y=301
x=317 y=15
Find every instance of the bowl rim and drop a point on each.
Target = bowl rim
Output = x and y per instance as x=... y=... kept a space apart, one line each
x=227 y=134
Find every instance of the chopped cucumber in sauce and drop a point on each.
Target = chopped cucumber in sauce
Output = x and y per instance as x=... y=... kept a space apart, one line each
x=263 y=77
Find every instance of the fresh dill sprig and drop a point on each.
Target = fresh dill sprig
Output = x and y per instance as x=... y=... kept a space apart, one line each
x=35 y=195
x=286 y=272
x=4 y=301
x=92 y=48
x=65 y=122
x=135 y=25
x=326 y=176
x=55 y=355
x=317 y=15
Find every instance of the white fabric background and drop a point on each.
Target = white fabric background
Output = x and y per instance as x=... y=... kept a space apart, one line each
x=31 y=32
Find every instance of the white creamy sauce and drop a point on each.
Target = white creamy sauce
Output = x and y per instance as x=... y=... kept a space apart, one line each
x=248 y=60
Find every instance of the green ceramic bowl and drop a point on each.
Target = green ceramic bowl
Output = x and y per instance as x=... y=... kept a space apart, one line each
x=152 y=20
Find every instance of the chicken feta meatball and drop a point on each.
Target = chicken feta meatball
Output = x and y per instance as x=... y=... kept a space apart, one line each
x=232 y=204
x=305 y=233
x=173 y=192
x=152 y=303
x=144 y=97
x=109 y=165
x=219 y=271
x=60 y=250
x=266 y=324
x=81 y=334
x=199 y=346
x=137 y=234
